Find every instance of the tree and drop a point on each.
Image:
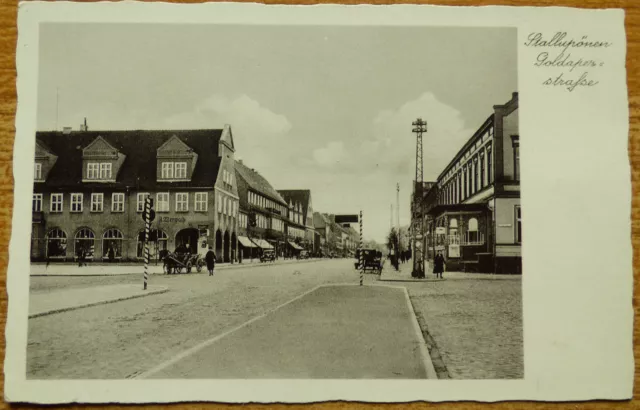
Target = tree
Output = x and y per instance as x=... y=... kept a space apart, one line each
x=392 y=239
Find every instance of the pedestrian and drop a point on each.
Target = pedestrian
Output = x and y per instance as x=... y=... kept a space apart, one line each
x=210 y=259
x=438 y=265
x=111 y=254
x=80 y=256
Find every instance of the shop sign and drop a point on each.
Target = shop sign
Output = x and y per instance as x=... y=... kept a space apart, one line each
x=168 y=219
x=454 y=251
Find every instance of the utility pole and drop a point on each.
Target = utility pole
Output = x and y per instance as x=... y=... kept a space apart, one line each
x=417 y=219
x=398 y=214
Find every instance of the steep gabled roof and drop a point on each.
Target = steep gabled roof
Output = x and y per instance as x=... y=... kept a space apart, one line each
x=256 y=182
x=140 y=146
x=297 y=196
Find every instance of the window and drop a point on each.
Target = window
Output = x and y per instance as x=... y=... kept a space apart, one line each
x=475 y=175
x=37 y=171
x=85 y=243
x=56 y=242
x=464 y=182
x=201 y=201
x=105 y=170
x=516 y=157
x=56 y=203
x=93 y=170
x=219 y=203
x=162 y=202
x=36 y=205
x=117 y=202
x=97 y=201
x=180 y=170
x=167 y=170
x=472 y=231
x=489 y=167
x=518 y=224
x=112 y=240
x=224 y=206
x=141 y=198
x=481 y=170
x=182 y=202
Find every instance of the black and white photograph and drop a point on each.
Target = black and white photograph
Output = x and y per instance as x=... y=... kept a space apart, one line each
x=181 y=189
x=229 y=201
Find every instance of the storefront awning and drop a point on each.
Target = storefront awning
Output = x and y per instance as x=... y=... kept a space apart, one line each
x=263 y=244
x=295 y=246
x=246 y=242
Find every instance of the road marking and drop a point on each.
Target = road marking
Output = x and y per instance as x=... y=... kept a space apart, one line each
x=211 y=341
x=424 y=353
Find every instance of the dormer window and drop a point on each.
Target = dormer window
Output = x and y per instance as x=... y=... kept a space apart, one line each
x=37 y=171
x=176 y=161
x=101 y=161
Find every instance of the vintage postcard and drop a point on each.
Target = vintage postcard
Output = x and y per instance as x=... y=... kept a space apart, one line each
x=249 y=203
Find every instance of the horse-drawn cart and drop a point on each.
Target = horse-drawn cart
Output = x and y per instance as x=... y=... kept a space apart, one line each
x=177 y=262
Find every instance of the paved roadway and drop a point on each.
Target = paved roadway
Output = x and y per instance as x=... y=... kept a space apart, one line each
x=127 y=338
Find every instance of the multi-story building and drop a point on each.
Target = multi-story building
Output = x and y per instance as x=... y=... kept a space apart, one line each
x=473 y=210
x=300 y=228
x=260 y=202
x=90 y=188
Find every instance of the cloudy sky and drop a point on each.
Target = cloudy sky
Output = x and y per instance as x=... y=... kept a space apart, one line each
x=324 y=108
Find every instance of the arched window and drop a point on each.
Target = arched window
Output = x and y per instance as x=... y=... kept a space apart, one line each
x=112 y=243
x=56 y=243
x=157 y=242
x=85 y=241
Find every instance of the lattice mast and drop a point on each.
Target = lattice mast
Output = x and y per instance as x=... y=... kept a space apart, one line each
x=418 y=240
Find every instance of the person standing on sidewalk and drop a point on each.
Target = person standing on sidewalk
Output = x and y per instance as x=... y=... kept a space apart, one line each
x=438 y=265
x=210 y=259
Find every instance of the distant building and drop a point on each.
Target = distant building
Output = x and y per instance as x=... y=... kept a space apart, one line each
x=300 y=227
x=90 y=189
x=472 y=212
x=260 y=202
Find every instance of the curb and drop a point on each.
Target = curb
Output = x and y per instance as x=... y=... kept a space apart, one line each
x=424 y=352
x=234 y=266
x=104 y=302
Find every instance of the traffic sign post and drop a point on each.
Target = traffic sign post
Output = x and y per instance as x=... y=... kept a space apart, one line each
x=148 y=215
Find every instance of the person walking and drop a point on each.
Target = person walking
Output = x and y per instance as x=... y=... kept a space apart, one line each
x=210 y=259
x=438 y=265
x=111 y=254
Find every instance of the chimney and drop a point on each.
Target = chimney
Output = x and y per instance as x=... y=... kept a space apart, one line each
x=84 y=127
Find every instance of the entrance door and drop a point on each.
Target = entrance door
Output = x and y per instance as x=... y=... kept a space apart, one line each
x=189 y=238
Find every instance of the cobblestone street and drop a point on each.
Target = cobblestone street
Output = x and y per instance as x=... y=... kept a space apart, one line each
x=476 y=323
x=475 y=320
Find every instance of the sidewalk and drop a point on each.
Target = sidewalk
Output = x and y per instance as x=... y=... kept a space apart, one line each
x=46 y=303
x=106 y=269
x=332 y=332
x=389 y=274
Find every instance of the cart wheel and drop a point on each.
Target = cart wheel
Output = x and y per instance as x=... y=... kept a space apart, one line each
x=187 y=268
x=199 y=267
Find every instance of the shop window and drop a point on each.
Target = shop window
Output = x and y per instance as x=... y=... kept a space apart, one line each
x=157 y=242
x=97 y=202
x=473 y=236
x=76 y=202
x=518 y=224
x=201 y=199
x=56 y=243
x=117 y=202
x=112 y=244
x=141 y=198
x=56 y=203
x=36 y=205
x=85 y=243
x=182 y=202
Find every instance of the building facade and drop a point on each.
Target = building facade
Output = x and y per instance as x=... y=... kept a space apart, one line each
x=300 y=230
x=90 y=188
x=263 y=214
x=472 y=212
